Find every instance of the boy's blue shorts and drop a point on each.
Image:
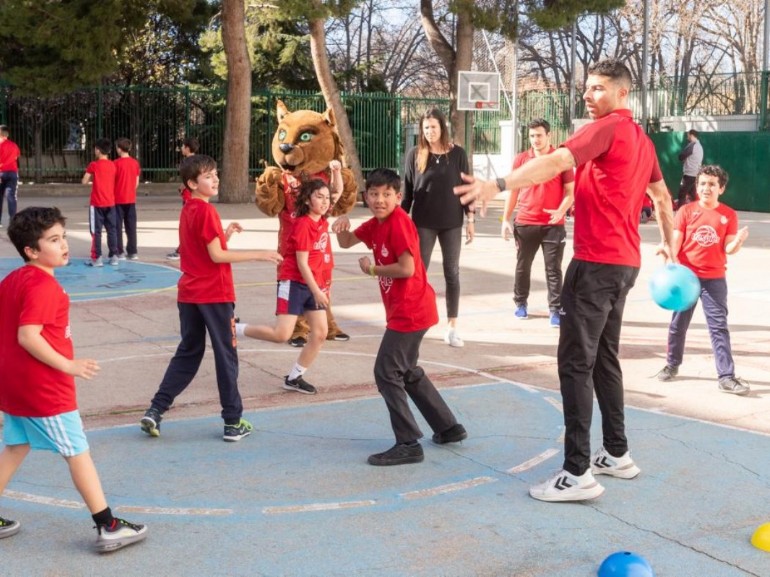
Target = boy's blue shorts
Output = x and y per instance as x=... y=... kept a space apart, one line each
x=294 y=298
x=62 y=433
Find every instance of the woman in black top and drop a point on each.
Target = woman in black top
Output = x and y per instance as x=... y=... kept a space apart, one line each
x=432 y=169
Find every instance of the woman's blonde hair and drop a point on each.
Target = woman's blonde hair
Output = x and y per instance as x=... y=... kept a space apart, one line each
x=423 y=148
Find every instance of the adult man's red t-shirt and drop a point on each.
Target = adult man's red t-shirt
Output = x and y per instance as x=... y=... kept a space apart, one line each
x=534 y=199
x=616 y=161
x=29 y=388
x=103 y=185
x=410 y=303
x=126 y=173
x=704 y=232
x=312 y=237
x=9 y=156
x=203 y=280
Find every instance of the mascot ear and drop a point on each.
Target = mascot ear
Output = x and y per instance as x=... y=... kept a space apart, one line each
x=329 y=117
x=281 y=110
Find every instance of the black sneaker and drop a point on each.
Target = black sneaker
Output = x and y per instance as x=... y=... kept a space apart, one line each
x=8 y=528
x=298 y=342
x=236 y=432
x=734 y=385
x=118 y=535
x=398 y=454
x=150 y=423
x=299 y=384
x=453 y=434
x=667 y=373
x=340 y=337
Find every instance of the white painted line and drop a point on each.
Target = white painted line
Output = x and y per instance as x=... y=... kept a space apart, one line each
x=555 y=403
x=451 y=487
x=174 y=511
x=317 y=507
x=533 y=462
x=40 y=500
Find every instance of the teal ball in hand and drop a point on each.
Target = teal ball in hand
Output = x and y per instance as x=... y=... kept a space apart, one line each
x=674 y=287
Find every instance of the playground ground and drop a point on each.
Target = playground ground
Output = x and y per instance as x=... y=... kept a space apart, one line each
x=297 y=498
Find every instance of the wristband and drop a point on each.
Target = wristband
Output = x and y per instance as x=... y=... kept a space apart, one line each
x=501 y=184
x=371 y=271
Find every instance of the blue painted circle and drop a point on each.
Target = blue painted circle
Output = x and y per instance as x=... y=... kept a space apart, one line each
x=85 y=283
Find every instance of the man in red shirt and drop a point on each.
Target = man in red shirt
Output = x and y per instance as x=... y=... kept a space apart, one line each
x=410 y=310
x=616 y=163
x=101 y=212
x=9 y=172
x=705 y=232
x=127 y=172
x=539 y=224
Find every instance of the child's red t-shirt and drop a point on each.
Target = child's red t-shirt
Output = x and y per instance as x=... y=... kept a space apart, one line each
x=126 y=172
x=704 y=232
x=103 y=186
x=410 y=303
x=312 y=237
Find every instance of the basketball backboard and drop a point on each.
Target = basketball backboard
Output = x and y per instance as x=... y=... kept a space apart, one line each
x=478 y=90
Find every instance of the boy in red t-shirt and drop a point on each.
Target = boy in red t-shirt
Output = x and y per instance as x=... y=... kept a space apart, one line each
x=9 y=172
x=304 y=280
x=101 y=213
x=37 y=391
x=705 y=232
x=206 y=301
x=410 y=310
x=127 y=172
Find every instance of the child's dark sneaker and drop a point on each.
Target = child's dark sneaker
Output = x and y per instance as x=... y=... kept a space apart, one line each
x=236 y=432
x=8 y=528
x=118 y=535
x=453 y=434
x=299 y=384
x=150 y=423
x=398 y=454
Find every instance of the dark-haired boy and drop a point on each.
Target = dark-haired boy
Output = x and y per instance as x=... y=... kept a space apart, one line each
x=37 y=391
x=101 y=212
x=127 y=172
x=410 y=310
x=705 y=232
x=206 y=302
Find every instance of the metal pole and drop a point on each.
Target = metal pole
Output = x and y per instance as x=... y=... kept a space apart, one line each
x=645 y=62
x=766 y=44
x=515 y=96
x=573 y=61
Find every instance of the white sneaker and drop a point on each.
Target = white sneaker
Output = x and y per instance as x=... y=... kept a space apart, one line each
x=602 y=463
x=564 y=486
x=452 y=339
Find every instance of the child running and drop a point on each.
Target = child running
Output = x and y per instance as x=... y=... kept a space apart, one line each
x=206 y=301
x=410 y=310
x=37 y=361
x=304 y=282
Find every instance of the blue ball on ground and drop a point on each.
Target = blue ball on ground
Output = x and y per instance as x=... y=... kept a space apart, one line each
x=674 y=287
x=625 y=564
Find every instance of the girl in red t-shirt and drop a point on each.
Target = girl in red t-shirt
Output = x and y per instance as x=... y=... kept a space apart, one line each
x=304 y=280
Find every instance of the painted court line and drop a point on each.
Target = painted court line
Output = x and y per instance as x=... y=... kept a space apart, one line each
x=310 y=507
x=533 y=462
x=449 y=488
x=175 y=511
x=41 y=500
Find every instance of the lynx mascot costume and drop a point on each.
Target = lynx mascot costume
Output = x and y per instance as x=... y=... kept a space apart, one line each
x=304 y=143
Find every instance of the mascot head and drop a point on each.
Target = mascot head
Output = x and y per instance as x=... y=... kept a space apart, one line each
x=305 y=141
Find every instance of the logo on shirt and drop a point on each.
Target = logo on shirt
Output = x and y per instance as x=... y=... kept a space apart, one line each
x=322 y=242
x=384 y=251
x=385 y=283
x=723 y=220
x=706 y=236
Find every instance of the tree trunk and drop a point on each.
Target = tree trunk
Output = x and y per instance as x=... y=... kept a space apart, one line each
x=332 y=96
x=235 y=186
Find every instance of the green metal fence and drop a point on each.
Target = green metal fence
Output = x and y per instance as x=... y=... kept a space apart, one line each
x=56 y=134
